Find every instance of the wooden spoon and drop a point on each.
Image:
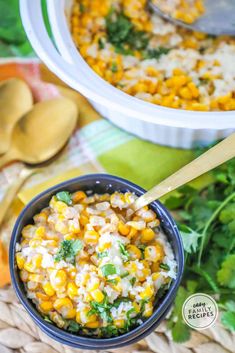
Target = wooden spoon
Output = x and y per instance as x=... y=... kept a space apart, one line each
x=15 y=100
x=38 y=137
x=209 y=160
x=42 y=132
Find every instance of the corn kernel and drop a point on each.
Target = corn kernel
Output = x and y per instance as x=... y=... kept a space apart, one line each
x=63 y=303
x=91 y=237
x=72 y=290
x=134 y=252
x=97 y=295
x=28 y=266
x=123 y=228
x=147 y=292
x=46 y=306
x=148 y=310
x=48 y=289
x=78 y=196
x=153 y=253
x=20 y=261
x=147 y=235
x=93 y=324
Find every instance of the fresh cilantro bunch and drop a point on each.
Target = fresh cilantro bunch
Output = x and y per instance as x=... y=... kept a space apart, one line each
x=207 y=225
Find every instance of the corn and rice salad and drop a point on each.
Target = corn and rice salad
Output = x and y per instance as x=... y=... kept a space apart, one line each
x=143 y=55
x=187 y=11
x=93 y=266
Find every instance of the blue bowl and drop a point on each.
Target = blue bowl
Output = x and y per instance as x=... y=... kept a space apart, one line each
x=98 y=183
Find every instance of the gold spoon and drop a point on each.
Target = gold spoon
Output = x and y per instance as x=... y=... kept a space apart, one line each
x=15 y=100
x=209 y=160
x=37 y=137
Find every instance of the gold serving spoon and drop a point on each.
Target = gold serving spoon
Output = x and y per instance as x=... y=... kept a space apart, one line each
x=209 y=160
x=15 y=100
x=37 y=137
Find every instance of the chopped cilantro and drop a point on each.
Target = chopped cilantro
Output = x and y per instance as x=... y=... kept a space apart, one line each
x=102 y=254
x=47 y=319
x=65 y=197
x=102 y=310
x=101 y=43
x=108 y=269
x=82 y=7
x=123 y=35
x=133 y=280
x=123 y=250
x=124 y=274
x=114 y=67
x=156 y=53
x=68 y=250
x=113 y=281
x=164 y=266
x=73 y=326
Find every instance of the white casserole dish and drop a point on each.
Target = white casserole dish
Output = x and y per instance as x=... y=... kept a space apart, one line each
x=166 y=126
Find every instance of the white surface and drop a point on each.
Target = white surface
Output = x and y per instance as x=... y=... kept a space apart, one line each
x=173 y=127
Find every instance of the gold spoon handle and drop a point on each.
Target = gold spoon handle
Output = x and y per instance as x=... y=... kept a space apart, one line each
x=215 y=156
x=13 y=190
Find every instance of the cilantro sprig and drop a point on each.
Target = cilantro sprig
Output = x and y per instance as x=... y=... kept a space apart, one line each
x=68 y=250
x=207 y=225
x=65 y=197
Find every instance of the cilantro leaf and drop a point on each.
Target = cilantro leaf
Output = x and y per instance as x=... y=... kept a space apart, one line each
x=180 y=332
x=122 y=34
x=102 y=254
x=226 y=275
x=65 y=197
x=156 y=53
x=190 y=238
x=132 y=281
x=164 y=267
x=108 y=269
x=228 y=320
x=68 y=250
x=123 y=250
x=73 y=326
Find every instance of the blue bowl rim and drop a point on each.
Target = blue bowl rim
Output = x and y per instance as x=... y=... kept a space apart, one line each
x=88 y=341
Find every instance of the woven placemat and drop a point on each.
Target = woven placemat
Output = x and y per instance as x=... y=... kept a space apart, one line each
x=19 y=334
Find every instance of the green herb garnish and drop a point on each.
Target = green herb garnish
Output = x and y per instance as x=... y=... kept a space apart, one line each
x=73 y=326
x=113 y=281
x=108 y=269
x=123 y=250
x=132 y=281
x=68 y=251
x=123 y=35
x=82 y=8
x=101 y=43
x=164 y=266
x=124 y=274
x=65 y=197
x=114 y=67
x=102 y=254
x=102 y=310
x=156 y=53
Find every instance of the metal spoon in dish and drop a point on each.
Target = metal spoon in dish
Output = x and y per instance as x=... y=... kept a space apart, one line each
x=15 y=100
x=209 y=160
x=218 y=19
x=38 y=137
